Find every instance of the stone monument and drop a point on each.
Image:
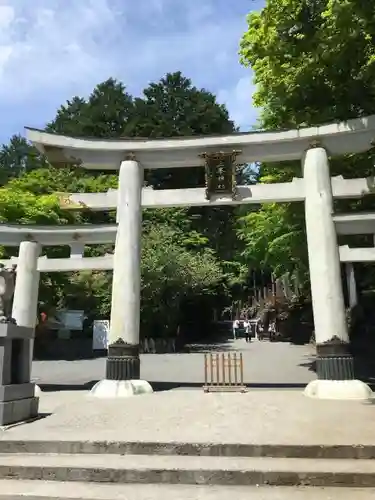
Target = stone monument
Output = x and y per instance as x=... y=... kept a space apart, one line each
x=17 y=393
x=7 y=284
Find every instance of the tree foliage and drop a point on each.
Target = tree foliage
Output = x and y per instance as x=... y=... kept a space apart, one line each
x=106 y=113
x=313 y=62
x=171 y=274
x=271 y=238
x=174 y=107
x=17 y=158
x=26 y=208
x=182 y=248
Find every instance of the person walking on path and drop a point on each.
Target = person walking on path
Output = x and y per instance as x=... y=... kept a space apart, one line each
x=247 y=327
x=235 y=328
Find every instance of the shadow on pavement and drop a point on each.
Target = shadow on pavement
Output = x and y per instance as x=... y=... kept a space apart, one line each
x=211 y=347
x=67 y=387
x=166 y=386
x=311 y=365
x=365 y=370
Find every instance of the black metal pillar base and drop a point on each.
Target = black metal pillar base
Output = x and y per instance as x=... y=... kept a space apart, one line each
x=334 y=361
x=123 y=361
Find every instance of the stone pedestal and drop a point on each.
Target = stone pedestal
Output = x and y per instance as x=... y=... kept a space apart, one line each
x=113 y=389
x=17 y=394
x=334 y=361
x=123 y=361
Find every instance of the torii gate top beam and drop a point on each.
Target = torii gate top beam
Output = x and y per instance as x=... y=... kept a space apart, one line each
x=13 y=234
x=353 y=136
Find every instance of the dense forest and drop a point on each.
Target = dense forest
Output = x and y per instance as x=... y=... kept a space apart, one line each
x=191 y=257
x=313 y=63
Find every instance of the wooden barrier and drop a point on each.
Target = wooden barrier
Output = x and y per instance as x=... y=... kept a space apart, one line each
x=223 y=372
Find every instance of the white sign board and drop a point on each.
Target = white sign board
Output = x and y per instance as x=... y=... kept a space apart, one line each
x=71 y=319
x=100 y=331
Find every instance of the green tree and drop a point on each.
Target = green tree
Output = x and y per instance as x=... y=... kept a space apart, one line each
x=105 y=113
x=274 y=238
x=173 y=107
x=27 y=208
x=24 y=207
x=180 y=246
x=172 y=274
x=313 y=62
x=17 y=158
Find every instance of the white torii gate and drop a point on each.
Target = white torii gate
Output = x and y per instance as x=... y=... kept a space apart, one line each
x=310 y=145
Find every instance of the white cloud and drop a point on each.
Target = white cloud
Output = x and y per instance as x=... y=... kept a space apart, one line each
x=239 y=100
x=6 y=16
x=48 y=44
x=51 y=50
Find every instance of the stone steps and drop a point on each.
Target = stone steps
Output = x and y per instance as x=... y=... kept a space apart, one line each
x=188 y=470
x=189 y=449
x=43 y=490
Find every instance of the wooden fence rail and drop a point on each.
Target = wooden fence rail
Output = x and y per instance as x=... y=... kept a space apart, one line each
x=223 y=372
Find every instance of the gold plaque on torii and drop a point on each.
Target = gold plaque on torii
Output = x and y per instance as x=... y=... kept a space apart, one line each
x=220 y=173
x=66 y=202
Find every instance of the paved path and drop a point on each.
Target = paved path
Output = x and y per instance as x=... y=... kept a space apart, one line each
x=257 y=417
x=97 y=491
x=265 y=364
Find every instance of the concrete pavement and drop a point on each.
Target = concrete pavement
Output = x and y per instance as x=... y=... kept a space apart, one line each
x=266 y=438
x=191 y=416
x=265 y=364
x=39 y=490
x=183 y=438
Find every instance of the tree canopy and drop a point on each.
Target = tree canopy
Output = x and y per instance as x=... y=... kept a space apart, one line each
x=313 y=60
x=313 y=63
x=183 y=249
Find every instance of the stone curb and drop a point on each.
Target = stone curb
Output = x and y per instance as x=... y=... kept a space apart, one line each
x=222 y=477
x=189 y=449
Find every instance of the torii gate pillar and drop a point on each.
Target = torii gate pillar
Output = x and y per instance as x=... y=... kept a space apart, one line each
x=334 y=362
x=123 y=364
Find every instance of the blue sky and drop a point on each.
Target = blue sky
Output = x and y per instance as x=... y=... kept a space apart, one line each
x=51 y=50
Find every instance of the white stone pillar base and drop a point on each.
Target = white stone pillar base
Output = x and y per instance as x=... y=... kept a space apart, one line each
x=338 y=389
x=107 y=389
x=37 y=391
